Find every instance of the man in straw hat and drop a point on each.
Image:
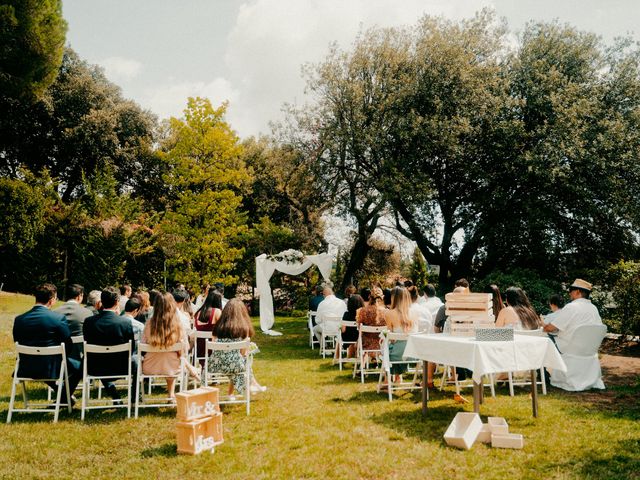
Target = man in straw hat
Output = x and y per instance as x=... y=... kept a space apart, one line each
x=580 y=311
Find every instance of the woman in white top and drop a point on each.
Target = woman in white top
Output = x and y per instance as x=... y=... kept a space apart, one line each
x=518 y=311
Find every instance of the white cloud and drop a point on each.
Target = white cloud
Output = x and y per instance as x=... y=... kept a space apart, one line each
x=120 y=69
x=273 y=38
x=170 y=99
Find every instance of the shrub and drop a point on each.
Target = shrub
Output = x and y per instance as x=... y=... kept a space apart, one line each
x=622 y=283
x=537 y=289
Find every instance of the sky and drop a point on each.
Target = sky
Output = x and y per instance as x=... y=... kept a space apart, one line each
x=250 y=53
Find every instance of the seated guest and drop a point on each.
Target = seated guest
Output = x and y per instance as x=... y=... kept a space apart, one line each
x=433 y=303
x=93 y=301
x=131 y=311
x=556 y=302
x=40 y=327
x=386 y=297
x=76 y=315
x=350 y=290
x=422 y=315
x=462 y=282
x=372 y=315
x=206 y=317
x=579 y=311
x=181 y=296
x=125 y=294
x=518 y=311
x=204 y=292
x=110 y=328
x=163 y=330
x=364 y=293
x=314 y=302
x=331 y=306
x=350 y=334
x=220 y=289
x=145 y=306
x=496 y=298
x=399 y=320
x=234 y=325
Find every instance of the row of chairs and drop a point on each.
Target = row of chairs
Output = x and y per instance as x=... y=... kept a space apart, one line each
x=332 y=343
x=123 y=378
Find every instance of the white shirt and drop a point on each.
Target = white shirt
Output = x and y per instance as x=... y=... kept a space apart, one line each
x=331 y=306
x=185 y=320
x=575 y=314
x=423 y=316
x=433 y=304
x=137 y=326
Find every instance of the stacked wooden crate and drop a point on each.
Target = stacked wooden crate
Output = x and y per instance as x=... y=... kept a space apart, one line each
x=466 y=311
x=199 y=426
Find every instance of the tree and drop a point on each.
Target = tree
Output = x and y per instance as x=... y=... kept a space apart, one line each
x=418 y=271
x=206 y=178
x=81 y=127
x=32 y=35
x=355 y=93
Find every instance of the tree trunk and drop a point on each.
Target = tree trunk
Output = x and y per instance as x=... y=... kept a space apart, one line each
x=357 y=257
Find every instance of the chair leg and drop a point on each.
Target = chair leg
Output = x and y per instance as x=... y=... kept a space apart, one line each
x=58 y=398
x=492 y=385
x=510 y=375
x=543 y=380
x=12 y=400
x=85 y=399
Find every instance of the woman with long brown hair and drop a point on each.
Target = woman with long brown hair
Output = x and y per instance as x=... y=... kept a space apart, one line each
x=496 y=297
x=519 y=312
x=234 y=325
x=164 y=330
x=400 y=320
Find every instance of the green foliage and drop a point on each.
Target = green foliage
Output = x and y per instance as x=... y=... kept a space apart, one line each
x=32 y=35
x=621 y=287
x=206 y=179
x=381 y=263
x=23 y=206
x=418 y=270
x=537 y=289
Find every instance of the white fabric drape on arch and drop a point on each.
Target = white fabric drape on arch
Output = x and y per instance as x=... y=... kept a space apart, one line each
x=265 y=269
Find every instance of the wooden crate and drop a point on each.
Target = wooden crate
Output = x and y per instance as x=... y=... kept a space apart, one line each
x=197 y=403
x=200 y=435
x=466 y=311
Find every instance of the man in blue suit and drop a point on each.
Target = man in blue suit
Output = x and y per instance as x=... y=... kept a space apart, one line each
x=108 y=327
x=40 y=327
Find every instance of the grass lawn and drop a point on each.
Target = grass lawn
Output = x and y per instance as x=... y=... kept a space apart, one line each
x=317 y=422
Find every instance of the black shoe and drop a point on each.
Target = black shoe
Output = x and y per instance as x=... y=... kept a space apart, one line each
x=113 y=392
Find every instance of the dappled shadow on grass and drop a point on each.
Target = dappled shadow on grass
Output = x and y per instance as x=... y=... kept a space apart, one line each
x=618 y=401
x=621 y=462
x=166 y=450
x=413 y=424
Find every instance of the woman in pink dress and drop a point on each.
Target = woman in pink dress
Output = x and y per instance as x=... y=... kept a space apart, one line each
x=164 y=330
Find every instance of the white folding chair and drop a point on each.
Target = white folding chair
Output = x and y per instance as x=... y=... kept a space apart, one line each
x=197 y=354
x=220 y=377
x=140 y=401
x=515 y=379
x=311 y=315
x=343 y=345
x=329 y=334
x=94 y=351
x=580 y=355
x=364 y=356
x=60 y=381
x=75 y=339
x=387 y=364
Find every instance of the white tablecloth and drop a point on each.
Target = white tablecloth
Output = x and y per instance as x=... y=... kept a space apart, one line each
x=482 y=358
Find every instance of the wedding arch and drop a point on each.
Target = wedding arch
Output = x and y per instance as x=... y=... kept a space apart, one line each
x=291 y=262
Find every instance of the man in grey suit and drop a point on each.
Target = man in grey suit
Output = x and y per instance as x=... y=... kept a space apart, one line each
x=75 y=314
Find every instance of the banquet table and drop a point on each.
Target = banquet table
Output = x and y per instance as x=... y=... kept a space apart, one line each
x=524 y=352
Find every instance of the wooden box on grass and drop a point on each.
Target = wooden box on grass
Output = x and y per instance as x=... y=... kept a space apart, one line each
x=197 y=403
x=201 y=435
x=509 y=440
x=463 y=430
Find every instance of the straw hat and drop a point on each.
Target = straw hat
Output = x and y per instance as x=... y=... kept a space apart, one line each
x=581 y=284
